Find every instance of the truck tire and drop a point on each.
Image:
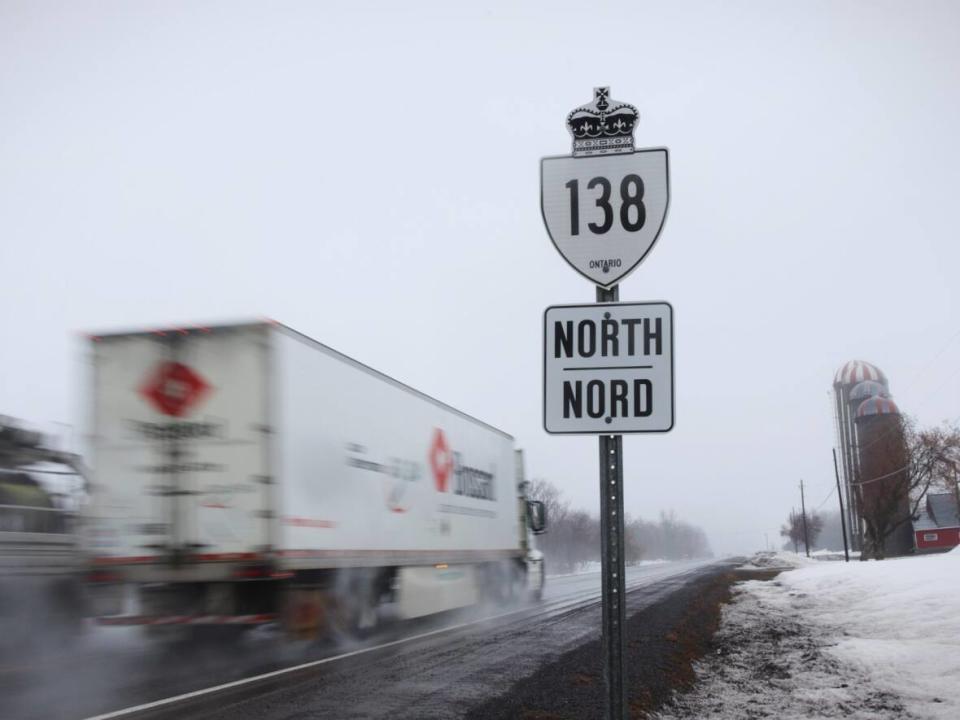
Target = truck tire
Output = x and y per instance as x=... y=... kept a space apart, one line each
x=537 y=593
x=518 y=581
x=357 y=600
x=504 y=581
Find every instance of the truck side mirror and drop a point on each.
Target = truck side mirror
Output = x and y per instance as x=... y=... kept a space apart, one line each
x=536 y=516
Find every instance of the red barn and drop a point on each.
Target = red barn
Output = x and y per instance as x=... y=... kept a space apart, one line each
x=938 y=526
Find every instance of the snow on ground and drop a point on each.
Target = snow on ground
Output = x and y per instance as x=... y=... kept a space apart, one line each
x=825 y=554
x=782 y=560
x=594 y=567
x=853 y=640
x=902 y=621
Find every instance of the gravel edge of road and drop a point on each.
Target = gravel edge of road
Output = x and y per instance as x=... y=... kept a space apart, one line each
x=663 y=641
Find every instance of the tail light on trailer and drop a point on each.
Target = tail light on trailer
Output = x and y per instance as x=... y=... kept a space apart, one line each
x=256 y=572
x=260 y=572
x=104 y=576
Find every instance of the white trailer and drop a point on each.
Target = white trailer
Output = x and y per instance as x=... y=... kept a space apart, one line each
x=245 y=474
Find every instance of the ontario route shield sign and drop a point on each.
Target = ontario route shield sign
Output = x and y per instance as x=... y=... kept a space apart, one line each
x=605 y=204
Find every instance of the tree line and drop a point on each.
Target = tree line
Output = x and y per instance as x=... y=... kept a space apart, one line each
x=573 y=535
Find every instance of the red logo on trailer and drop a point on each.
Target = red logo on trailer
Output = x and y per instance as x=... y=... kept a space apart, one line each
x=173 y=388
x=441 y=460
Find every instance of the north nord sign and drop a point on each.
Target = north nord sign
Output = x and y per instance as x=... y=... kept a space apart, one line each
x=608 y=368
x=605 y=204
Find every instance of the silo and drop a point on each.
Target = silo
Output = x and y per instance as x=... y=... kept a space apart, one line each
x=857 y=394
x=868 y=389
x=850 y=375
x=882 y=461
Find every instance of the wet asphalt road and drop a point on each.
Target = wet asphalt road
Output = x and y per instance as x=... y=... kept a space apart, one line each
x=443 y=677
x=418 y=669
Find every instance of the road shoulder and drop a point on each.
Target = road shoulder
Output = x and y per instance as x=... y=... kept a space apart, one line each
x=664 y=640
x=878 y=640
x=767 y=660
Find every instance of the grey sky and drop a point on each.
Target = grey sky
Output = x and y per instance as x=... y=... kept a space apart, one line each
x=369 y=175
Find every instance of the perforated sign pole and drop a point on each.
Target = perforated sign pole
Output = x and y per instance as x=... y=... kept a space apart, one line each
x=611 y=557
x=604 y=206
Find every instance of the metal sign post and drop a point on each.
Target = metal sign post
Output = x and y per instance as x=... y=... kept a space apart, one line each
x=608 y=369
x=612 y=564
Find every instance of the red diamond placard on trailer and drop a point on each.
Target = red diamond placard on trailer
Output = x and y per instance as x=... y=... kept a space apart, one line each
x=174 y=388
x=441 y=460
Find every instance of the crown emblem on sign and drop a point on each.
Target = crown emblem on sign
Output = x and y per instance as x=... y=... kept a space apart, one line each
x=603 y=127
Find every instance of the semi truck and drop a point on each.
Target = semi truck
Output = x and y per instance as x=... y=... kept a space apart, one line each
x=246 y=474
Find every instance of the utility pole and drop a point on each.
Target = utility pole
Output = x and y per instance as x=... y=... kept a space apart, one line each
x=803 y=510
x=843 y=522
x=793 y=534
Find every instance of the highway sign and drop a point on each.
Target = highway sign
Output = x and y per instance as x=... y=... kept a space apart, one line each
x=605 y=213
x=608 y=368
x=604 y=206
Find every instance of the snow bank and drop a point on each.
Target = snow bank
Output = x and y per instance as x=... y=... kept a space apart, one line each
x=771 y=662
x=777 y=561
x=829 y=640
x=900 y=621
x=834 y=555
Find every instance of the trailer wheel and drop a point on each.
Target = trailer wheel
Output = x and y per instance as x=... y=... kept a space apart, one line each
x=504 y=581
x=518 y=581
x=357 y=600
x=537 y=593
x=366 y=616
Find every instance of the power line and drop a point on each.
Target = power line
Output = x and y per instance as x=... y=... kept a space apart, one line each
x=829 y=495
x=883 y=477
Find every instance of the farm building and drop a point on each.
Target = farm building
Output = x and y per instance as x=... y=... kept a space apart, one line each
x=937 y=527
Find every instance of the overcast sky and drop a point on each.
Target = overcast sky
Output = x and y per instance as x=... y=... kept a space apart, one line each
x=368 y=174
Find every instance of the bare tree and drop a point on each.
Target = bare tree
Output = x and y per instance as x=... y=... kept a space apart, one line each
x=814 y=528
x=572 y=539
x=901 y=464
x=666 y=539
x=573 y=535
x=633 y=550
x=793 y=529
x=551 y=497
